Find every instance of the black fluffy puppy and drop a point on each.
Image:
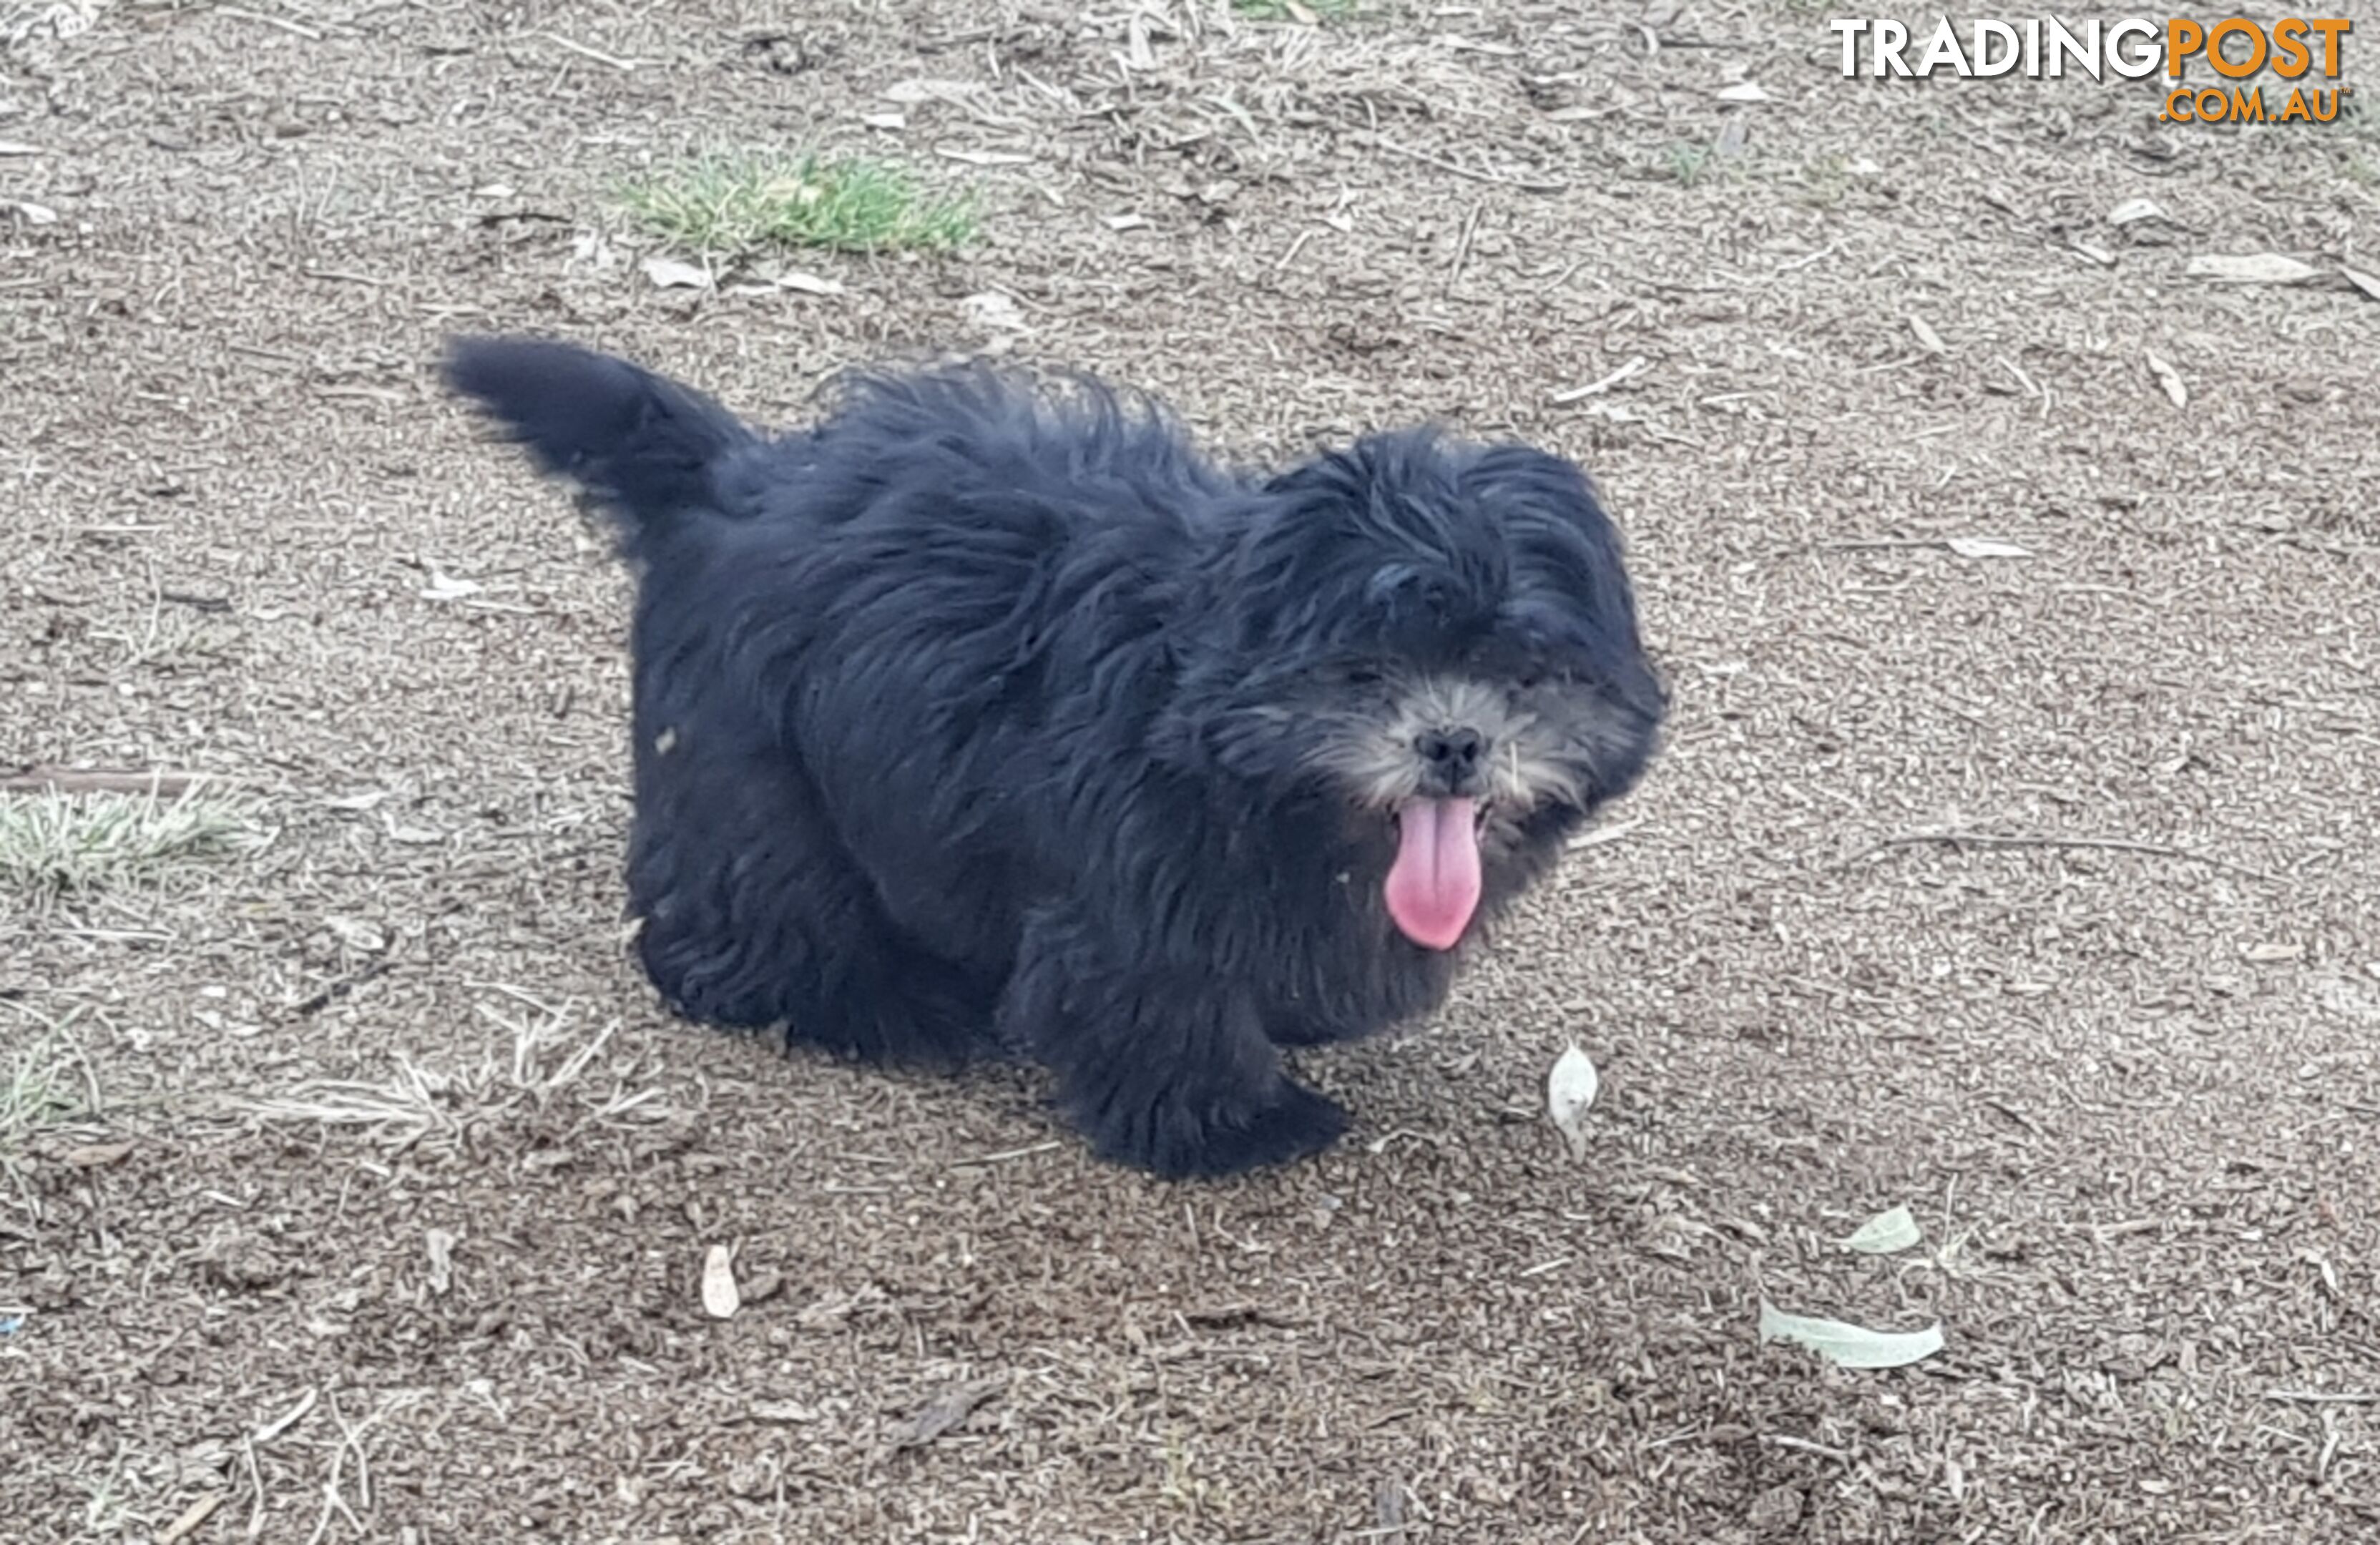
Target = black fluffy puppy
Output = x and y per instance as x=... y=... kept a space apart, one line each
x=988 y=715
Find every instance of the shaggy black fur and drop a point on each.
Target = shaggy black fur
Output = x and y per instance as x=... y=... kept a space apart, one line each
x=990 y=716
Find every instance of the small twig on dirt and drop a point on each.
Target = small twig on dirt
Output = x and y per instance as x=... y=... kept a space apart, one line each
x=1463 y=245
x=1805 y=260
x=255 y=1489
x=1780 y=1440
x=1525 y=184
x=299 y=28
x=626 y=67
x=2325 y=1397
x=1601 y=834
x=1636 y=365
x=2004 y=1108
x=946 y=1411
x=296 y=1413
x=1957 y=838
x=192 y=1516
x=96 y=780
x=1007 y=1153
x=307 y=1009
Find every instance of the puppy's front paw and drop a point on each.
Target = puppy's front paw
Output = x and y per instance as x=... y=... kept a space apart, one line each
x=1177 y=1140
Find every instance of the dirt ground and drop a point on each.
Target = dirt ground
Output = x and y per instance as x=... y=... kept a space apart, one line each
x=377 y=1201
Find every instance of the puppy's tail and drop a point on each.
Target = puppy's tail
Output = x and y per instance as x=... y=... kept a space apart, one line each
x=645 y=448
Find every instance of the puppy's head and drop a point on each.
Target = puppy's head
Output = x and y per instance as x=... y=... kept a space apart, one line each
x=1440 y=634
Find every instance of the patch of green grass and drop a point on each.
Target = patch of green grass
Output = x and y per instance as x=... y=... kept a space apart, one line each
x=1825 y=179
x=58 y=844
x=1688 y=164
x=38 y=1086
x=1279 y=10
x=747 y=201
x=32 y=1093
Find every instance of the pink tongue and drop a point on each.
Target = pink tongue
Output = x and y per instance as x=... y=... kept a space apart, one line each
x=1434 y=885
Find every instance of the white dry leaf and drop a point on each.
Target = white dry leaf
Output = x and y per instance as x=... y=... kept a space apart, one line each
x=889 y=122
x=496 y=190
x=1884 y=1234
x=1742 y=91
x=2131 y=210
x=2252 y=268
x=670 y=273
x=2368 y=284
x=19 y=147
x=807 y=283
x=1571 y=1088
x=911 y=92
x=991 y=309
x=1125 y=222
x=719 y=1298
x=368 y=800
x=443 y=585
x=2271 y=954
x=983 y=158
x=1848 y=1345
x=36 y=214
x=2170 y=379
x=1986 y=547
x=1928 y=338
x=416 y=836
x=356 y=934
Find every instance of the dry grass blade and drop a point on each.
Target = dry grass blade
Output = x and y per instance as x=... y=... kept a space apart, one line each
x=56 y=844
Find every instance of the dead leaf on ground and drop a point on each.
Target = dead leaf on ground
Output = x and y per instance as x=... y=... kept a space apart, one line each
x=2170 y=379
x=439 y=1246
x=2252 y=268
x=909 y=93
x=1885 y=1232
x=807 y=283
x=1848 y=1345
x=991 y=309
x=2131 y=210
x=1986 y=547
x=445 y=586
x=1742 y=91
x=2367 y=283
x=670 y=273
x=357 y=933
x=945 y=1411
x=1928 y=338
x=719 y=1298
x=19 y=147
x=2268 y=954
x=1571 y=1090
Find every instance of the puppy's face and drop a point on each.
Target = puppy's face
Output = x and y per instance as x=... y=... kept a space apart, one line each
x=1444 y=638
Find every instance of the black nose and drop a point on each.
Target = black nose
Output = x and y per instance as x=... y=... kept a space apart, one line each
x=1454 y=752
